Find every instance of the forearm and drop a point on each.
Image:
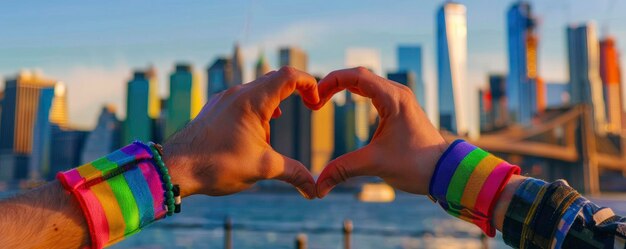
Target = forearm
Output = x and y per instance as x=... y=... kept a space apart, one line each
x=46 y=217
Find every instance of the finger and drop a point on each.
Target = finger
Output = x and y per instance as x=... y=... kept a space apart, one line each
x=277 y=112
x=356 y=163
x=282 y=84
x=362 y=82
x=293 y=172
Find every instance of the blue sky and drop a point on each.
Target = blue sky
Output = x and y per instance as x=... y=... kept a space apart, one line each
x=93 y=46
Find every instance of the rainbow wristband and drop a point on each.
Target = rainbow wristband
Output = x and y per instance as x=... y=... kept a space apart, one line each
x=119 y=193
x=468 y=181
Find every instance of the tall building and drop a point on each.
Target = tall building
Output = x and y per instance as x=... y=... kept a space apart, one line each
x=522 y=89
x=66 y=149
x=219 y=76
x=497 y=90
x=294 y=57
x=138 y=123
x=557 y=94
x=261 y=67
x=612 y=82
x=25 y=126
x=182 y=99
x=344 y=125
x=290 y=134
x=410 y=59
x=58 y=111
x=454 y=104
x=584 y=73
x=105 y=138
x=365 y=114
x=154 y=100
x=485 y=107
x=237 y=67
x=406 y=78
x=322 y=136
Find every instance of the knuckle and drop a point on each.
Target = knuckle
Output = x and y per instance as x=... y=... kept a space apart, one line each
x=288 y=71
x=362 y=70
x=341 y=173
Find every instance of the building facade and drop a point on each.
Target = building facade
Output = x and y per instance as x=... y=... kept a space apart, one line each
x=584 y=71
x=522 y=91
x=610 y=73
x=410 y=59
x=454 y=107
x=182 y=105
x=104 y=138
x=219 y=76
x=138 y=123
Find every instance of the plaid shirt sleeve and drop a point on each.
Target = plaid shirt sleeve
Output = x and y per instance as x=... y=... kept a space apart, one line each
x=553 y=215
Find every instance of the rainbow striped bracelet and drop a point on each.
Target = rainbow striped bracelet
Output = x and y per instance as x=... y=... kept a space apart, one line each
x=119 y=194
x=468 y=181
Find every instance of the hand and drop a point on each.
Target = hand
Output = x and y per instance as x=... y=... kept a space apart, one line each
x=225 y=149
x=405 y=146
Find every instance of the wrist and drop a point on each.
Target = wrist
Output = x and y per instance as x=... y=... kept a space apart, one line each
x=180 y=169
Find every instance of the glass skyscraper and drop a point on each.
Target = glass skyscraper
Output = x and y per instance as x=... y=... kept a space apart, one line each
x=105 y=138
x=611 y=78
x=584 y=71
x=454 y=109
x=182 y=99
x=25 y=126
x=138 y=124
x=290 y=134
x=410 y=59
x=406 y=78
x=219 y=76
x=522 y=45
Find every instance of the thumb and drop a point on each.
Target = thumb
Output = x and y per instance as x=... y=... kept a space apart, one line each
x=293 y=172
x=356 y=163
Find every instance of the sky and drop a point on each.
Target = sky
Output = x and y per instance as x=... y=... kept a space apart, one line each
x=93 y=46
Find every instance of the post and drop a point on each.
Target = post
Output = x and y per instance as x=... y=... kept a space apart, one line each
x=228 y=233
x=484 y=241
x=301 y=241
x=347 y=232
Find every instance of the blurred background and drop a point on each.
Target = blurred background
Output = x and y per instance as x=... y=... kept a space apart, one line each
x=538 y=83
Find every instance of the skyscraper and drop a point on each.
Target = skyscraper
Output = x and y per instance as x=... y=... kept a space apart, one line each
x=66 y=149
x=261 y=67
x=365 y=114
x=584 y=73
x=410 y=59
x=138 y=123
x=58 y=111
x=154 y=100
x=322 y=136
x=25 y=126
x=182 y=98
x=522 y=80
x=294 y=57
x=219 y=76
x=344 y=125
x=237 y=67
x=290 y=134
x=105 y=138
x=611 y=77
x=454 y=107
x=497 y=90
x=406 y=78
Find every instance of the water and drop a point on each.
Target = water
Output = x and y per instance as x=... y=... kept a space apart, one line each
x=274 y=220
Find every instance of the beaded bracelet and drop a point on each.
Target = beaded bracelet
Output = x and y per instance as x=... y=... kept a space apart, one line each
x=121 y=193
x=166 y=178
x=468 y=181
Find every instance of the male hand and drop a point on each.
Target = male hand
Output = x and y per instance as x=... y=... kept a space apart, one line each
x=225 y=149
x=405 y=146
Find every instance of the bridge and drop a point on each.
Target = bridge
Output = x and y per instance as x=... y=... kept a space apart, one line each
x=561 y=143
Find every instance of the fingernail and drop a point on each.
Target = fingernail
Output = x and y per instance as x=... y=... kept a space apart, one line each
x=307 y=191
x=325 y=187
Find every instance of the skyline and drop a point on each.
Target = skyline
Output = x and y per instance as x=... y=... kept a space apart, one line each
x=95 y=55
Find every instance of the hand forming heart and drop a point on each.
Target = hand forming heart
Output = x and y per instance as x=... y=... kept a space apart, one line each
x=225 y=149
